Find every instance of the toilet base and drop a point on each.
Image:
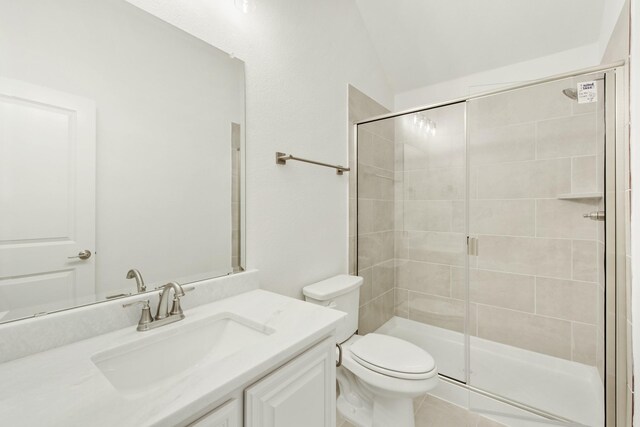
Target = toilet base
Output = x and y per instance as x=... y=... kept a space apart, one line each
x=386 y=412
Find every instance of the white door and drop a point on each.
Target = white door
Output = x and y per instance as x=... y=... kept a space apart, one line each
x=47 y=198
x=301 y=393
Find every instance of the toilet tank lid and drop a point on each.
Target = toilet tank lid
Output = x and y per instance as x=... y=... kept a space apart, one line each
x=332 y=287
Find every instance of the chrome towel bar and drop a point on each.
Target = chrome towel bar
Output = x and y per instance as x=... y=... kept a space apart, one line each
x=281 y=159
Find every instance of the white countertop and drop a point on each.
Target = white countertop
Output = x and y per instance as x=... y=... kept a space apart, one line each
x=62 y=387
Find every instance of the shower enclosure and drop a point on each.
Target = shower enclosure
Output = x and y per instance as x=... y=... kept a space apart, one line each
x=481 y=222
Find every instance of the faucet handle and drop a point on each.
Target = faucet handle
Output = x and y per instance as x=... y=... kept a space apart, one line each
x=145 y=317
x=145 y=303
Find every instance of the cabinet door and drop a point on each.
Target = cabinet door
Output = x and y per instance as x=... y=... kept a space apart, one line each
x=301 y=393
x=227 y=415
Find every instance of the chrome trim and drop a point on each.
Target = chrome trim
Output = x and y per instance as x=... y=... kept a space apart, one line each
x=281 y=159
x=590 y=70
x=534 y=411
x=135 y=274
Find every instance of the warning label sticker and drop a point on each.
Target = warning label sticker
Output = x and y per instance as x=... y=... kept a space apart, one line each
x=587 y=92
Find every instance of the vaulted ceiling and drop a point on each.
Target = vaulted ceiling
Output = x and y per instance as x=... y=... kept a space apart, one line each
x=422 y=42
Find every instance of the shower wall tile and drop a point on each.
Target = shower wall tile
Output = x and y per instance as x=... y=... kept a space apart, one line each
x=428 y=215
x=506 y=290
x=375 y=313
x=443 y=312
x=435 y=184
x=524 y=180
x=502 y=144
x=563 y=219
x=531 y=332
x=585 y=260
x=524 y=255
x=366 y=290
x=434 y=279
x=437 y=247
x=383 y=278
x=583 y=174
x=520 y=106
x=567 y=299
x=502 y=217
x=583 y=344
x=374 y=183
x=401 y=303
x=567 y=137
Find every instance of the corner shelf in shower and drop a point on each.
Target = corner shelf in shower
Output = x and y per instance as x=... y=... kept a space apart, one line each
x=578 y=196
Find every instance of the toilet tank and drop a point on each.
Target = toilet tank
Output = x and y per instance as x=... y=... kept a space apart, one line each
x=340 y=293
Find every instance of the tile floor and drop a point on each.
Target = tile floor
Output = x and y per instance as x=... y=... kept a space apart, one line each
x=433 y=412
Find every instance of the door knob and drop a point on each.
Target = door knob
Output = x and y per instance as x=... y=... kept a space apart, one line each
x=83 y=254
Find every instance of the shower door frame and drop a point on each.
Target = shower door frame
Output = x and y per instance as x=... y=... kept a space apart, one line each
x=616 y=389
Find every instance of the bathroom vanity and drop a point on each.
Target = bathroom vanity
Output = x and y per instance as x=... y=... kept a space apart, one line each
x=253 y=359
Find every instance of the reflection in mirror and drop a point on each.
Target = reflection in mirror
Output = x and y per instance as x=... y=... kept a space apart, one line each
x=121 y=149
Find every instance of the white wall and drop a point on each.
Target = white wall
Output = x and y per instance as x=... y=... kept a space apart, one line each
x=610 y=15
x=300 y=56
x=521 y=72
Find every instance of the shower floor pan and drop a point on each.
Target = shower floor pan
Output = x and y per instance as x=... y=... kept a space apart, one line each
x=567 y=389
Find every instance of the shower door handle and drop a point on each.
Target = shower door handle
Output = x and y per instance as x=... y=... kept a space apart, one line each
x=595 y=216
x=472 y=246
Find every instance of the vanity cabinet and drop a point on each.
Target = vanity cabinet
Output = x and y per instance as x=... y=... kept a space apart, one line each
x=300 y=393
x=227 y=415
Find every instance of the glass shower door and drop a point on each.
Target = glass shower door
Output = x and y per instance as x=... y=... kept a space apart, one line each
x=411 y=217
x=536 y=268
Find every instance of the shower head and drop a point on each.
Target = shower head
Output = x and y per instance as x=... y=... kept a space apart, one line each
x=570 y=93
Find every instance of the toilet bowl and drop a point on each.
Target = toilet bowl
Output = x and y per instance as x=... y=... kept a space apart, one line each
x=380 y=375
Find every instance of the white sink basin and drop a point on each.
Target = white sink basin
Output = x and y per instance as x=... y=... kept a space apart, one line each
x=163 y=357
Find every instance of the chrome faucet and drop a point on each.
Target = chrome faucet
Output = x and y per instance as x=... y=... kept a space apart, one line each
x=163 y=305
x=135 y=274
x=163 y=315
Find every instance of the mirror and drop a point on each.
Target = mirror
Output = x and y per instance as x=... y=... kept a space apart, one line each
x=121 y=147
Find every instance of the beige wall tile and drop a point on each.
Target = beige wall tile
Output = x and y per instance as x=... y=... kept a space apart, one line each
x=383 y=153
x=436 y=184
x=583 y=347
x=366 y=290
x=424 y=277
x=566 y=137
x=401 y=302
x=428 y=215
x=383 y=278
x=563 y=219
x=375 y=248
x=375 y=313
x=374 y=183
x=503 y=217
x=583 y=175
x=567 y=299
x=520 y=106
x=437 y=247
x=438 y=311
x=513 y=291
x=585 y=260
x=525 y=255
x=525 y=330
x=522 y=180
x=383 y=215
x=502 y=144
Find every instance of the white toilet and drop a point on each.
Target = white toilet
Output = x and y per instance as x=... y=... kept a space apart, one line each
x=380 y=375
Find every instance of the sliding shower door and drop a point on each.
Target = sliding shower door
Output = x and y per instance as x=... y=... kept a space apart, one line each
x=536 y=263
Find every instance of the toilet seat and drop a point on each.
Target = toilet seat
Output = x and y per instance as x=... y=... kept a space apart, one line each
x=393 y=357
